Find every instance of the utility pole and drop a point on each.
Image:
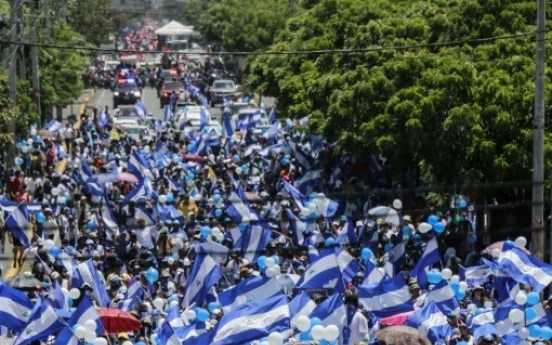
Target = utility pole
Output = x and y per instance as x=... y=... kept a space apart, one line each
x=46 y=13
x=34 y=58
x=21 y=38
x=12 y=63
x=538 y=237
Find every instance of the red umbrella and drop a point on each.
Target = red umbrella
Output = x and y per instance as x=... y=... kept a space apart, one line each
x=192 y=157
x=127 y=177
x=398 y=319
x=116 y=321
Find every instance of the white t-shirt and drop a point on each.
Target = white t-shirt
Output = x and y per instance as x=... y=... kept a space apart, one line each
x=359 y=329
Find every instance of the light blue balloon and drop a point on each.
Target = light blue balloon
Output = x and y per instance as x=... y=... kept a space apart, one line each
x=388 y=247
x=439 y=227
x=91 y=225
x=55 y=251
x=202 y=315
x=176 y=256
x=432 y=219
x=460 y=295
x=212 y=306
x=170 y=198
x=463 y=203
x=530 y=314
x=479 y=311
x=218 y=212
x=152 y=275
x=534 y=331
x=533 y=298
x=434 y=277
x=76 y=326
x=242 y=227
x=216 y=198
x=366 y=254
x=546 y=333
x=205 y=232
x=329 y=242
x=276 y=260
x=261 y=262
x=455 y=286
x=315 y=322
x=41 y=218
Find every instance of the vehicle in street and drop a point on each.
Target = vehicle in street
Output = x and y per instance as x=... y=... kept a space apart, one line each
x=127 y=122
x=139 y=132
x=237 y=106
x=126 y=91
x=243 y=113
x=124 y=111
x=166 y=91
x=192 y=116
x=222 y=89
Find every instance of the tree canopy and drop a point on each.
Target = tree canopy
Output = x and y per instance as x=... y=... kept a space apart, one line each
x=23 y=111
x=461 y=113
x=243 y=28
x=93 y=19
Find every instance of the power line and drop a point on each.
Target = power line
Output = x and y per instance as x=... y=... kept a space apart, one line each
x=288 y=52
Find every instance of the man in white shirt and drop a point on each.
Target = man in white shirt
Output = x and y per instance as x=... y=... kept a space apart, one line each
x=353 y=325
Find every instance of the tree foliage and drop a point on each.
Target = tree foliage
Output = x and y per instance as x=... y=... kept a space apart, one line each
x=460 y=113
x=185 y=11
x=243 y=28
x=94 y=20
x=61 y=69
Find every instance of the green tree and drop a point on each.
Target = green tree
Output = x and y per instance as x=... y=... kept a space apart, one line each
x=61 y=69
x=461 y=114
x=94 y=20
x=186 y=12
x=243 y=28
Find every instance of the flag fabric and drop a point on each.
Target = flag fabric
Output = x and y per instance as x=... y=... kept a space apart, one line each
x=331 y=311
x=443 y=296
x=140 y=110
x=128 y=304
x=300 y=305
x=18 y=223
x=254 y=241
x=483 y=324
x=524 y=268
x=431 y=322
x=249 y=290
x=57 y=299
x=87 y=273
x=387 y=298
x=54 y=126
x=205 y=274
x=43 y=322
x=15 y=308
x=372 y=275
x=323 y=273
x=429 y=257
x=85 y=311
x=252 y=321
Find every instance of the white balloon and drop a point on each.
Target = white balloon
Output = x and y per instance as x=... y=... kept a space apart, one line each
x=269 y=262
x=162 y=199
x=220 y=236
x=130 y=342
x=277 y=269
x=270 y=272
x=312 y=208
x=48 y=244
x=305 y=212
x=521 y=298
x=424 y=228
x=74 y=293
x=90 y=325
x=190 y=314
x=54 y=191
x=397 y=204
x=215 y=230
x=455 y=279
x=238 y=170
x=520 y=242
x=147 y=149
x=332 y=333
x=463 y=286
x=170 y=261
x=33 y=131
x=90 y=336
x=80 y=332
x=65 y=292
x=153 y=337
x=245 y=220
x=446 y=273
x=264 y=343
x=173 y=304
x=158 y=303
x=303 y=323
x=451 y=251
x=198 y=197
x=100 y=341
x=523 y=333
x=496 y=252
x=318 y=332
x=472 y=307
x=160 y=322
x=516 y=315
x=275 y=338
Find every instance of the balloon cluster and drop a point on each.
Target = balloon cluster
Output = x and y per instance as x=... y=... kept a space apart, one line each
x=270 y=265
x=87 y=331
x=312 y=329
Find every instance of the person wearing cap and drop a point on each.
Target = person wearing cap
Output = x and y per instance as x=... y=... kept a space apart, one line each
x=236 y=263
x=353 y=325
x=465 y=334
x=164 y=243
x=166 y=286
x=187 y=205
x=487 y=339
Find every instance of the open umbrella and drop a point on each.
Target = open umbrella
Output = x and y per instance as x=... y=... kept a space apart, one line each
x=402 y=335
x=398 y=319
x=388 y=214
x=127 y=177
x=24 y=282
x=116 y=321
x=499 y=245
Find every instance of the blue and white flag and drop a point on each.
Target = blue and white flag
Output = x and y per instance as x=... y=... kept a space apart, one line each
x=254 y=241
x=134 y=290
x=102 y=118
x=86 y=273
x=252 y=321
x=249 y=290
x=524 y=268
x=443 y=295
x=331 y=311
x=325 y=206
x=15 y=308
x=140 y=110
x=18 y=223
x=167 y=114
x=272 y=115
x=57 y=299
x=54 y=126
x=372 y=275
x=128 y=304
x=429 y=257
x=204 y=275
x=300 y=305
x=137 y=165
x=84 y=312
x=323 y=273
x=483 y=324
x=388 y=298
x=43 y=322
x=431 y=322
x=238 y=208
x=475 y=275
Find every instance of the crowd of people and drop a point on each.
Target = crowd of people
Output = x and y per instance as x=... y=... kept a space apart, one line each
x=241 y=237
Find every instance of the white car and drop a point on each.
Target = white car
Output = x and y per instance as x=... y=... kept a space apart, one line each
x=127 y=121
x=243 y=113
x=137 y=132
x=191 y=114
